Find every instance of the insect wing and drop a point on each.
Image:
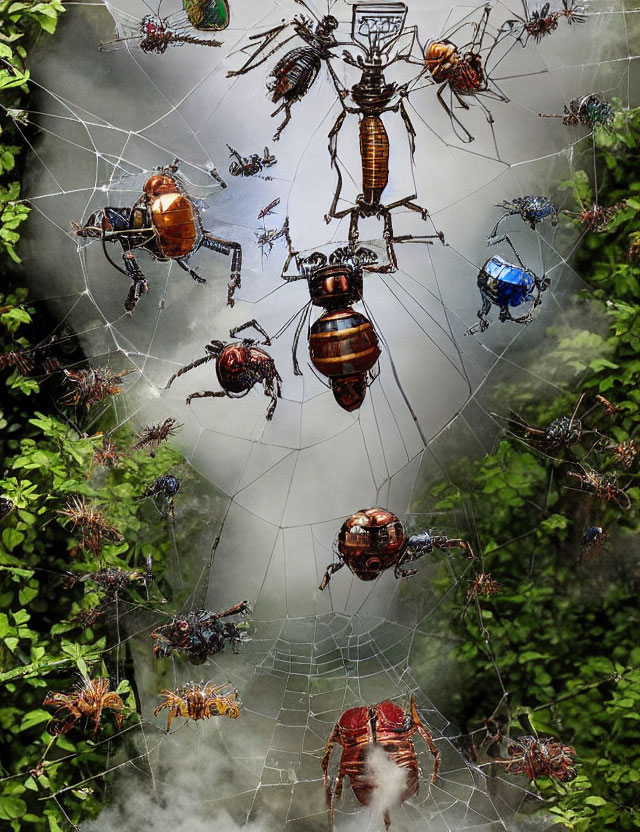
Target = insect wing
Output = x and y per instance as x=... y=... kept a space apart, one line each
x=378 y=24
x=207 y=15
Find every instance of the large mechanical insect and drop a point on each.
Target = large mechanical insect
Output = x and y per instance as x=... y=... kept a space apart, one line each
x=506 y=286
x=239 y=366
x=199 y=633
x=88 y=700
x=200 y=701
x=343 y=345
x=292 y=77
x=373 y=540
x=359 y=730
x=538 y=23
x=375 y=30
x=166 y=222
x=155 y=34
x=463 y=70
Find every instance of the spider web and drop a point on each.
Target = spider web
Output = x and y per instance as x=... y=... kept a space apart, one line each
x=276 y=493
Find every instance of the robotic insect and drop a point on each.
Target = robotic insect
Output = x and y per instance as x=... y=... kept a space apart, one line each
x=164 y=221
x=375 y=30
x=92 y=386
x=537 y=24
x=507 y=285
x=200 y=701
x=343 y=345
x=540 y=758
x=292 y=77
x=386 y=726
x=162 y=491
x=589 y=111
x=239 y=366
x=155 y=34
x=603 y=487
x=595 y=219
x=463 y=70
x=199 y=633
x=92 y=525
x=89 y=700
x=532 y=209
x=113 y=580
x=560 y=434
x=373 y=540
x=153 y=435
x=250 y=165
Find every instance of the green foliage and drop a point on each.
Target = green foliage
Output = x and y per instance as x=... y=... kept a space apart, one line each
x=563 y=633
x=44 y=645
x=21 y=24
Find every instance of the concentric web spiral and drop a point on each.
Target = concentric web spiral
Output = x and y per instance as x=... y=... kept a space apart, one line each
x=262 y=501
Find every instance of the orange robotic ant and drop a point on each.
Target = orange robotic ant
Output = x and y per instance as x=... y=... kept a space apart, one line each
x=164 y=221
x=359 y=730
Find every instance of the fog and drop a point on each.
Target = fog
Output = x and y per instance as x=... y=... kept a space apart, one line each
x=277 y=492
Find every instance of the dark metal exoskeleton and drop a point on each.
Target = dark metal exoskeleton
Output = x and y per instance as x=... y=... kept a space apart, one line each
x=292 y=77
x=164 y=221
x=239 y=366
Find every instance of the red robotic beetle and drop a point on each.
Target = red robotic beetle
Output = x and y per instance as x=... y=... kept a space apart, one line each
x=373 y=540
x=359 y=730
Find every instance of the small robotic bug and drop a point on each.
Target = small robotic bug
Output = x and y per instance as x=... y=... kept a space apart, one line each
x=507 y=285
x=373 y=540
x=162 y=491
x=199 y=634
x=250 y=165
x=532 y=209
x=200 y=701
x=359 y=730
x=588 y=111
x=239 y=366
x=537 y=24
x=166 y=222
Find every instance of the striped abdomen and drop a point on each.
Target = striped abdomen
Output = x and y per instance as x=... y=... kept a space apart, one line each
x=294 y=74
x=374 y=151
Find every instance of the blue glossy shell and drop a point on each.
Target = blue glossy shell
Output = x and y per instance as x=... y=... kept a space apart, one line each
x=504 y=284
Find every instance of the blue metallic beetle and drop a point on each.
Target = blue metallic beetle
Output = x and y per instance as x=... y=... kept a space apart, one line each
x=532 y=209
x=162 y=491
x=507 y=285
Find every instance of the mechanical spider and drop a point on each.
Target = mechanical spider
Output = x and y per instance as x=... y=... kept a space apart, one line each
x=250 y=165
x=507 y=285
x=483 y=584
x=532 y=209
x=537 y=24
x=199 y=633
x=92 y=386
x=200 y=701
x=292 y=77
x=625 y=452
x=162 y=491
x=88 y=699
x=94 y=529
x=239 y=366
x=463 y=70
x=588 y=111
x=375 y=30
x=155 y=34
x=602 y=486
x=595 y=219
x=165 y=221
x=343 y=345
x=560 y=434
x=359 y=730
x=373 y=540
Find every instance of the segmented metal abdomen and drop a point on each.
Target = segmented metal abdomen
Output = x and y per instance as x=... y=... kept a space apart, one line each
x=374 y=151
x=293 y=75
